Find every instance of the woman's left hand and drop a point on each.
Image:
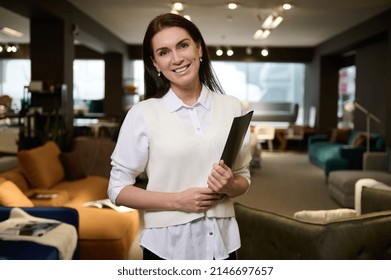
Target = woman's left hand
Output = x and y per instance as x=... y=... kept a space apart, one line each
x=222 y=180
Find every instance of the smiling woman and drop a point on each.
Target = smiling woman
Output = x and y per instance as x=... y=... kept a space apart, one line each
x=177 y=135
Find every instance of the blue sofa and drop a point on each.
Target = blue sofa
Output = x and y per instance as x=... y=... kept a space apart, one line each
x=337 y=155
x=26 y=250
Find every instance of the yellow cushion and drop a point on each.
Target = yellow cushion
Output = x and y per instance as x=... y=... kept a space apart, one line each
x=12 y=196
x=42 y=166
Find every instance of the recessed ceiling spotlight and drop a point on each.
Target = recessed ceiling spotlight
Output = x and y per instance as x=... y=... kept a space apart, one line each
x=287 y=6
x=264 y=52
x=232 y=5
x=219 y=52
x=178 y=6
x=230 y=52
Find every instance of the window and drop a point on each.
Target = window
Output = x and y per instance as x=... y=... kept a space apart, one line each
x=346 y=95
x=88 y=79
x=256 y=81
x=15 y=74
x=262 y=82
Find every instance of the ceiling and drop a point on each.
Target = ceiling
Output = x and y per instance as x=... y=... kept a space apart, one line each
x=308 y=24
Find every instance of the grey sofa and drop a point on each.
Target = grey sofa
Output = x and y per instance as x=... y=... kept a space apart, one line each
x=341 y=183
x=274 y=111
x=269 y=236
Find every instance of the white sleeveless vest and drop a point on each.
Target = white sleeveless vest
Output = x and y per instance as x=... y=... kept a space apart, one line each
x=180 y=159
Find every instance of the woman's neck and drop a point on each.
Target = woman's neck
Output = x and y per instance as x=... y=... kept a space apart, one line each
x=189 y=95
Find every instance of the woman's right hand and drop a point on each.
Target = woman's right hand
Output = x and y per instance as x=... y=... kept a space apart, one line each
x=197 y=199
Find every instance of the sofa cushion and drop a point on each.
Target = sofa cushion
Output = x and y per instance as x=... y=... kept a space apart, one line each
x=12 y=196
x=320 y=216
x=42 y=166
x=72 y=166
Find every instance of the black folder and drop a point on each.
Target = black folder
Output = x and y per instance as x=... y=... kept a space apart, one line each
x=235 y=138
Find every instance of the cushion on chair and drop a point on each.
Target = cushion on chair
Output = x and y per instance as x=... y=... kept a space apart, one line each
x=324 y=215
x=72 y=166
x=12 y=196
x=42 y=166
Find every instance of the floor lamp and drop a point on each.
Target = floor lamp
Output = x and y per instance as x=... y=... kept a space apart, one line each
x=369 y=116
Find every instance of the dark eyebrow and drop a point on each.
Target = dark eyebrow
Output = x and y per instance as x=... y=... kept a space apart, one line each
x=177 y=44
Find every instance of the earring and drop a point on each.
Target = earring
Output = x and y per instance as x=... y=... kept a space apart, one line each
x=158 y=73
x=200 y=59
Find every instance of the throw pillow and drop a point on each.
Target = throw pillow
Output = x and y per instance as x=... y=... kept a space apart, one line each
x=72 y=167
x=340 y=135
x=360 y=140
x=324 y=215
x=12 y=196
x=41 y=166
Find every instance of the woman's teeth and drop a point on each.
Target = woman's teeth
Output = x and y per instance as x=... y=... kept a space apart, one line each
x=180 y=69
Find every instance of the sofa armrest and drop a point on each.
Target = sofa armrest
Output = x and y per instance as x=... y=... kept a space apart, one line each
x=375 y=200
x=374 y=160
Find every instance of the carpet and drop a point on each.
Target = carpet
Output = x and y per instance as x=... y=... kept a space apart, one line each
x=287 y=182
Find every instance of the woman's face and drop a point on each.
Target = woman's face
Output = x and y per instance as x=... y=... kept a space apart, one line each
x=177 y=56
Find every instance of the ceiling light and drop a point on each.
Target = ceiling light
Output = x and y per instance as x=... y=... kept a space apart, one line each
x=272 y=21
x=178 y=6
x=1 y=49
x=232 y=5
x=261 y=34
x=11 y=32
x=11 y=48
x=219 y=52
x=287 y=6
x=230 y=52
x=264 y=52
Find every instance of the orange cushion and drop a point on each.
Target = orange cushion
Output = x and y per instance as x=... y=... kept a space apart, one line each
x=42 y=166
x=12 y=196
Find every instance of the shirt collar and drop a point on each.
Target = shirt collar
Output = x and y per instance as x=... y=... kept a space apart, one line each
x=174 y=103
